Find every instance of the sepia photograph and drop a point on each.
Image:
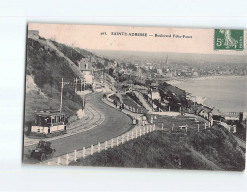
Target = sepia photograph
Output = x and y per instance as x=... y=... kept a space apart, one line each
x=135 y=97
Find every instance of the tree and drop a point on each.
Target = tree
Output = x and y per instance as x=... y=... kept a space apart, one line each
x=111 y=71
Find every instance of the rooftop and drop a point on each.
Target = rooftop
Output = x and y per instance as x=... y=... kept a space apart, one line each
x=50 y=113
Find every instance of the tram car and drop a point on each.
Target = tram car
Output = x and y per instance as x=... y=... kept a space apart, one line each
x=49 y=124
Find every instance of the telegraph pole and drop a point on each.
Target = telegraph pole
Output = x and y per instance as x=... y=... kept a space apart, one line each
x=81 y=85
x=84 y=83
x=75 y=85
x=61 y=100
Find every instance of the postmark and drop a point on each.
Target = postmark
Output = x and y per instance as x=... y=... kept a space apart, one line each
x=226 y=39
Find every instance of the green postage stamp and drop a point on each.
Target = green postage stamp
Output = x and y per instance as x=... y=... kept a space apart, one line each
x=226 y=39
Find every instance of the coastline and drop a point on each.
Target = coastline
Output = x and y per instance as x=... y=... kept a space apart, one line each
x=180 y=80
x=217 y=108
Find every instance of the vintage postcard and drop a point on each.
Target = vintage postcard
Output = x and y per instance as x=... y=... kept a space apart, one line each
x=139 y=97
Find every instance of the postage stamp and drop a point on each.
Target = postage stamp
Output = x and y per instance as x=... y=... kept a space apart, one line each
x=226 y=39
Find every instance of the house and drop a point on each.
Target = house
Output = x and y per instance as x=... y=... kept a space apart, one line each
x=154 y=94
x=33 y=34
x=86 y=69
x=206 y=113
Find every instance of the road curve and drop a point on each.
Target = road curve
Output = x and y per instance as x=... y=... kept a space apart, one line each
x=115 y=124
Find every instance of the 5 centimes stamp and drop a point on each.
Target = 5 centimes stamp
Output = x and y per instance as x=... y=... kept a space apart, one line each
x=226 y=39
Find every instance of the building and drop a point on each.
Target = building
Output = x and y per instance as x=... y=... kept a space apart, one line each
x=206 y=113
x=33 y=34
x=154 y=95
x=86 y=69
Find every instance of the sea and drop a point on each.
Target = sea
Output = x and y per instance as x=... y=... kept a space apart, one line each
x=228 y=94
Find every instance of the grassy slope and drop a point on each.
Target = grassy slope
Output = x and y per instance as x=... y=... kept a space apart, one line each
x=207 y=150
x=47 y=68
x=69 y=52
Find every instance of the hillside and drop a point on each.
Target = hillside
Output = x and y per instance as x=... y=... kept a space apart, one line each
x=46 y=65
x=69 y=52
x=207 y=150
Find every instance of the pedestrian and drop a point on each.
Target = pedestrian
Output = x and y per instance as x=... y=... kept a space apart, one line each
x=134 y=121
x=144 y=118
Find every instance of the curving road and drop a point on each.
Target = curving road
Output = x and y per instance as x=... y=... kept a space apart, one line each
x=115 y=123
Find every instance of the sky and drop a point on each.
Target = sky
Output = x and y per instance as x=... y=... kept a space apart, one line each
x=90 y=37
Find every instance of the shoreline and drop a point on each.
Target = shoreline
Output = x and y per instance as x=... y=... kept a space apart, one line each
x=216 y=77
x=180 y=80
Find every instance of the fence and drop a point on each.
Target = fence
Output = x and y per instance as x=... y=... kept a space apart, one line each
x=182 y=127
x=136 y=132
x=116 y=141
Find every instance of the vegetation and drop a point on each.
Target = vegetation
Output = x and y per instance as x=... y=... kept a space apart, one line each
x=136 y=99
x=69 y=52
x=208 y=150
x=47 y=69
x=114 y=97
x=176 y=96
x=130 y=102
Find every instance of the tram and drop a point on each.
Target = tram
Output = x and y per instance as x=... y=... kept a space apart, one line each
x=49 y=123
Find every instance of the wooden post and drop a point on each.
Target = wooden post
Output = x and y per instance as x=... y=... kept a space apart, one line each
x=83 y=152
x=61 y=97
x=91 y=149
x=162 y=126
x=75 y=155
x=75 y=85
x=111 y=143
x=58 y=161
x=99 y=147
x=186 y=128
x=105 y=145
x=67 y=159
